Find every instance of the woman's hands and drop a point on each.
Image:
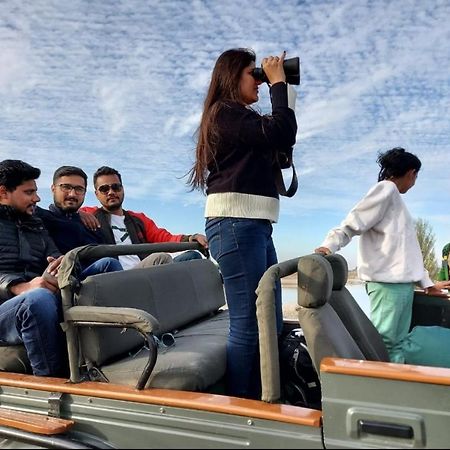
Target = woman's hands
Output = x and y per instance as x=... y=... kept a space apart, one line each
x=323 y=250
x=437 y=288
x=273 y=68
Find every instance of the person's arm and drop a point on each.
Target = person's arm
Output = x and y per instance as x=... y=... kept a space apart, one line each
x=7 y=280
x=364 y=215
x=51 y=248
x=437 y=287
x=35 y=283
x=153 y=233
x=196 y=237
x=277 y=130
x=89 y=220
x=200 y=238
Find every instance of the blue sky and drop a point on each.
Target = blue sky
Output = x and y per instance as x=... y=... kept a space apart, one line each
x=121 y=83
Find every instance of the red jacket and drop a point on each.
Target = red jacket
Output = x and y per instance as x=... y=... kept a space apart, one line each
x=141 y=228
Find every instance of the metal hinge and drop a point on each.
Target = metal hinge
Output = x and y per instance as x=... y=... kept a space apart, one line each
x=54 y=404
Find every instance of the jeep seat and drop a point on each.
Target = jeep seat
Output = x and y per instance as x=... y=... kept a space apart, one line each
x=185 y=299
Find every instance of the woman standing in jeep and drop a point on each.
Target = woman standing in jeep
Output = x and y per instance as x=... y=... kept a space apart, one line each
x=235 y=153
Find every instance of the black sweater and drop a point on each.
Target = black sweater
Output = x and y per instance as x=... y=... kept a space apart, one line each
x=67 y=230
x=24 y=247
x=247 y=146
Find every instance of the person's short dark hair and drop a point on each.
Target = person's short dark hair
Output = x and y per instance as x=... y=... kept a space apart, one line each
x=14 y=172
x=397 y=162
x=105 y=170
x=446 y=250
x=66 y=171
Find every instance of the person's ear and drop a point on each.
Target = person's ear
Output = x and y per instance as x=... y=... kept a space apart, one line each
x=3 y=192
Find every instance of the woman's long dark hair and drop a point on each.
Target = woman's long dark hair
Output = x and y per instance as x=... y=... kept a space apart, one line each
x=224 y=86
x=397 y=162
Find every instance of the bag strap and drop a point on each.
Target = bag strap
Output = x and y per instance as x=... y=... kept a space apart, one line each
x=279 y=182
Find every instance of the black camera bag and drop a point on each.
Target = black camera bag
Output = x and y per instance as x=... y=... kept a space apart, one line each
x=299 y=381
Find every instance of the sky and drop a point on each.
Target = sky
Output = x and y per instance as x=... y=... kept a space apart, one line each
x=121 y=83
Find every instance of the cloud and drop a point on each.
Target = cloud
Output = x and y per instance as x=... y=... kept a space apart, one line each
x=123 y=84
x=112 y=101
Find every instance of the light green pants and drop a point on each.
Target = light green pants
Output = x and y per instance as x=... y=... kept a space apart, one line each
x=391 y=312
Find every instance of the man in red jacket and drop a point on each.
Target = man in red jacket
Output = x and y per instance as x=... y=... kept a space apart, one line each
x=120 y=226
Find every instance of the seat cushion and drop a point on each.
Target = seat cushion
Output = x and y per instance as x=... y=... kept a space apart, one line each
x=175 y=294
x=315 y=281
x=352 y=316
x=326 y=336
x=359 y=325
x=195 y=362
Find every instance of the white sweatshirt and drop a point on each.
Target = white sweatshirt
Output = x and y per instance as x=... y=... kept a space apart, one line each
x=388 y=251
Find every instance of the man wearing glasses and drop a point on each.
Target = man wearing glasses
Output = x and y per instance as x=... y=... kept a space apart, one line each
x=128 y=227
x=63 y=221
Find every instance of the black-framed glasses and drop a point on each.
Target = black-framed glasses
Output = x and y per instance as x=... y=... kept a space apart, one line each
x=105 y=188
x=65 y=187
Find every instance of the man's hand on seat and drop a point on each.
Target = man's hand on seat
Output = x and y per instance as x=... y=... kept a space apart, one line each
x=202 y=240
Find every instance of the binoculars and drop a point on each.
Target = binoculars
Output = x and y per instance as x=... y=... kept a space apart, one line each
x=291 y=68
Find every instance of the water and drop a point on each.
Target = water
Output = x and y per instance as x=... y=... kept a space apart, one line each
x=357 y=290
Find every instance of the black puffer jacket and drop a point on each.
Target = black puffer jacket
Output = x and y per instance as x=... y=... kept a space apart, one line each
x=24 y=247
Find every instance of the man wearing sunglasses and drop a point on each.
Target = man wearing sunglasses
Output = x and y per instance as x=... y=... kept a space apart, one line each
x=120 y=226
x=63 y=221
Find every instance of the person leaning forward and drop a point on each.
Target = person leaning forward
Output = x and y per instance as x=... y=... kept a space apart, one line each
x=390 y=260
x=120 y=226
x=29 y=307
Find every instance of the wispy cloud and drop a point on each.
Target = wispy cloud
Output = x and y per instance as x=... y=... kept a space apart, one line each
x=94 y=83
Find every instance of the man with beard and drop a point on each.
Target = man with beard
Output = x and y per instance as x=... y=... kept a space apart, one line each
x=63 y=220
x=128 y=227
x=29 y=306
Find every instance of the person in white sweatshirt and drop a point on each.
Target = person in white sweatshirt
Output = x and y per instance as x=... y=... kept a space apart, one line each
x=390 y=260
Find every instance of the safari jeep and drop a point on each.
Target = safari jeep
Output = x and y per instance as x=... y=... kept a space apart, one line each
x=147 y=358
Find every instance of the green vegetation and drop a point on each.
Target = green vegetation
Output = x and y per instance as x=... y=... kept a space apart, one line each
x=427 y=239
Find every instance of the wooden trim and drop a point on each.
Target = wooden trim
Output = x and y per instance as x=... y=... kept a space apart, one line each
x=167 y=397
x=33 y=423
x=390 y=371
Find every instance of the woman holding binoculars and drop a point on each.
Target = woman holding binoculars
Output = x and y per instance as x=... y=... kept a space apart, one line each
x=236 y=151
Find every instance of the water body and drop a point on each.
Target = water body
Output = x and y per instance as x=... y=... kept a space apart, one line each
x=357 y=290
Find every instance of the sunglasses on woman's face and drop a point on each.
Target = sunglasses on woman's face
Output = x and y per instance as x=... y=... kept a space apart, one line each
x=105 y=188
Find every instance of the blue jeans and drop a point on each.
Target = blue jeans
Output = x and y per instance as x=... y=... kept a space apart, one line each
x=244 y=250
x=102 y=265
x=32 y=319
x=187 y=256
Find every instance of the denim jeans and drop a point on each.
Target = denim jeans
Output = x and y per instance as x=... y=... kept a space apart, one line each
x=187 y=256
x=244 y=250
x=102 y=265
x=32 y=319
